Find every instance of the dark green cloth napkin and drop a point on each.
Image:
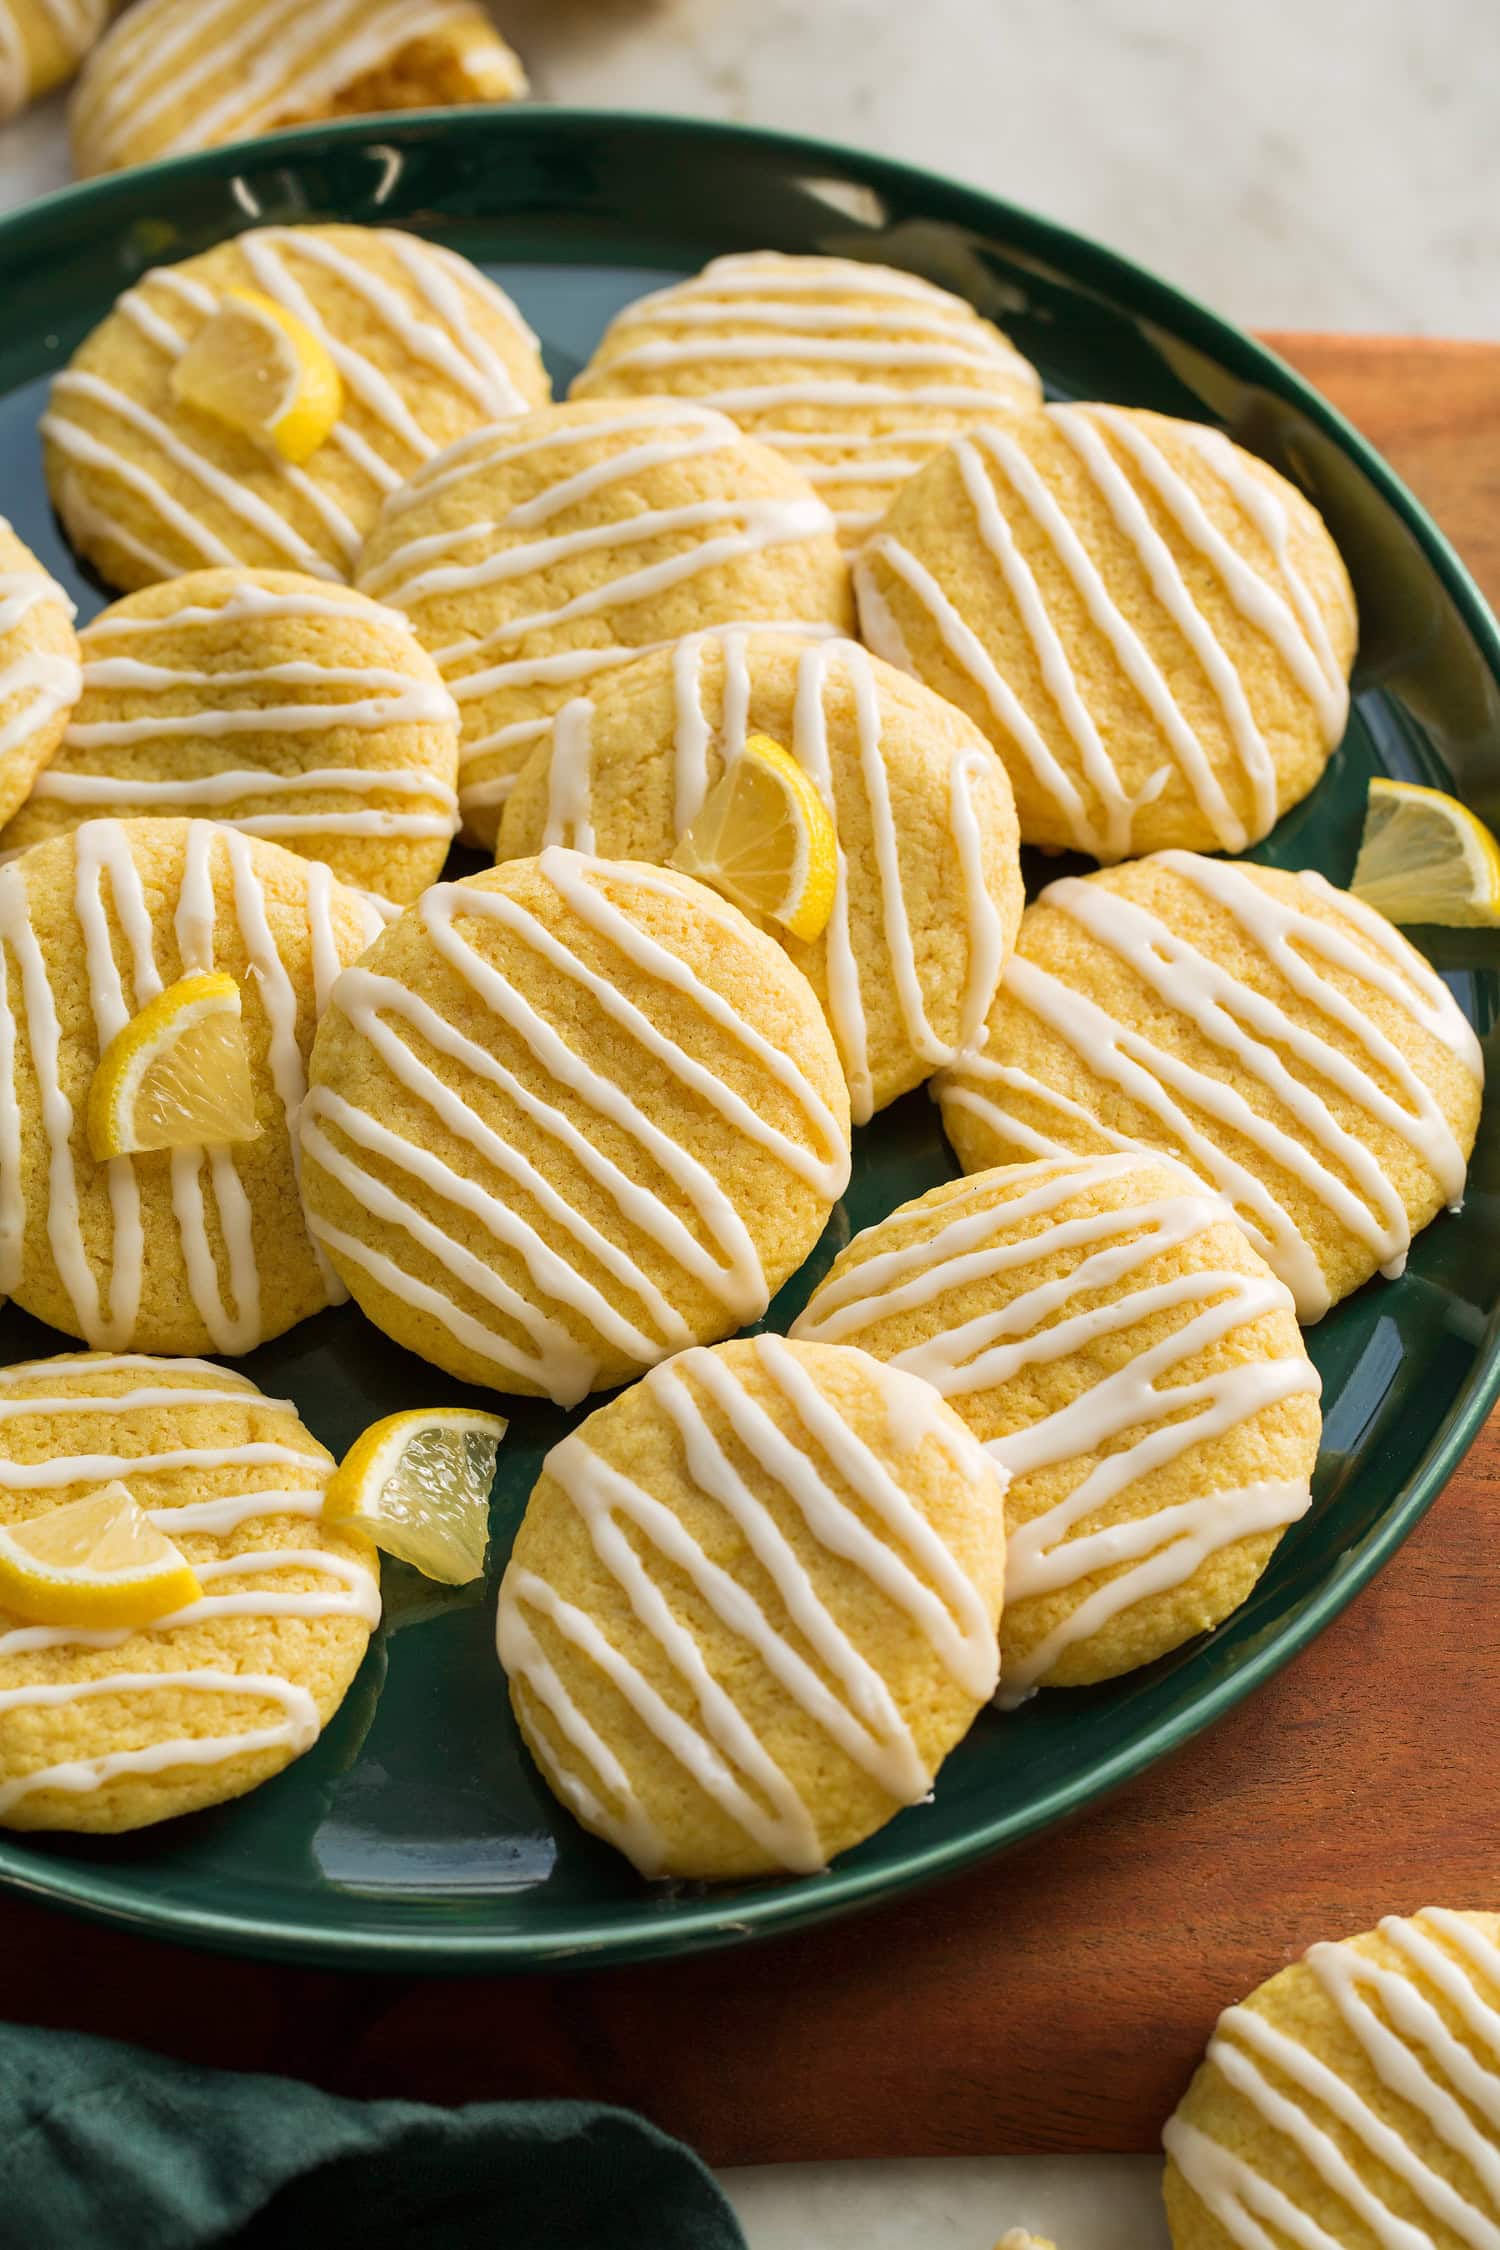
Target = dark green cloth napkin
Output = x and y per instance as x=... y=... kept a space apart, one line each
x=106 y=2147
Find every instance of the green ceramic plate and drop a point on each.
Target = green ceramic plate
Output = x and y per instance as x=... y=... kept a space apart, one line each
x=417 y=1835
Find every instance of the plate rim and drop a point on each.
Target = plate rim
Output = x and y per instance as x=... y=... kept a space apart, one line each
x=705 y=1924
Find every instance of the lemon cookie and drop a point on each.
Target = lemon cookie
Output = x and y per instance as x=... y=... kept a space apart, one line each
x=109 y=1730
x=423 y=348
x=1153 y=628
x=1271 y=1032
x=536 y=559
x=40 y=680
x=192 y=1250
x=175 y=75
x=272 y=703
x=855 y=372
x=566 y=1117
x=929 y=887
x=42 y=42
x=752 y=1607
x=1105 y=1329
x=1353 y=2101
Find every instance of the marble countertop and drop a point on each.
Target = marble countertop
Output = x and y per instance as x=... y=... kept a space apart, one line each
x=1298 y=164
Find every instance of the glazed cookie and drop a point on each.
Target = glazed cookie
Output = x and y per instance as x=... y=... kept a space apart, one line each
x=147 y=487
x=1268 y=1030
x=1105 y=1329
x=40 y=680
x=752 y=1606
x=278 y=705
x=535 y=559
x=175 y=75
x=855 y=372
x=42 y=42
x=105 y=1731
x=199 y=1249
x=929 y=889
x=1153 y=628
x=566 y=1117
x=1353 y=2101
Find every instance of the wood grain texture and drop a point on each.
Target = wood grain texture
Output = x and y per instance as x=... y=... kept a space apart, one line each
x=1059 y=1998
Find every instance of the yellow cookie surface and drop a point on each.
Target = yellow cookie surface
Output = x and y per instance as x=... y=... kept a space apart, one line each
x=855 y=371
x=42 y=43
x=40 y=678
x=201 y=1250
x=752 y=1607
x=109 y=1731
x=537 y=559
x=929 y=888
x=1266 y=1029
x=175 y=75
x=427 y=348
x=1353 y=2100
x=278 y=705
x=569 y=1116
x=1104 y=1328
x=1152 y=626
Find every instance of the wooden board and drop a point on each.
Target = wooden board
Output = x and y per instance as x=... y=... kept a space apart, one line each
x=1058 y=1998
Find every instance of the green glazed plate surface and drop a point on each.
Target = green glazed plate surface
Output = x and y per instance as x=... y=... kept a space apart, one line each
x=416 y=1834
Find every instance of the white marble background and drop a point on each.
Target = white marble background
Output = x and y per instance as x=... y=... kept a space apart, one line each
x=1296 y=163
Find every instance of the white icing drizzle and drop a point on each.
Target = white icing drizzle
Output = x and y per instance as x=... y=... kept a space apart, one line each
x=74 y=24
x=1265 y=1051
x=39 y=682
x=978 y=1241
x=1399 y=2018
x=397 y=1024
x=695 y=739
x=1099 y=816
x=841 y=1690
x=103 y=858
x=239 y=1584
x=906 y=349
x=226 y=70
x=323 y=697
x=380 y=435
x=468 y=562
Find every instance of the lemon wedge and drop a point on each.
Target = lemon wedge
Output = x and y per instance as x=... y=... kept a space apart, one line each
x=1424 y=857
x=97 y=1562
x=418 y=1484
x=765 y=838
x=264 y=372
x=177 y=1075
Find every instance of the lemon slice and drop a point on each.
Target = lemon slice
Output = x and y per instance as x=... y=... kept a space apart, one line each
x=97 y=1562
x=766 y=839
x=418 y=1484
x=1424 y=857
x=263 y=371
x=177 y=1075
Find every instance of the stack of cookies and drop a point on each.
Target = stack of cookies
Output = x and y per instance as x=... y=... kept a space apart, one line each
x=567 y=1124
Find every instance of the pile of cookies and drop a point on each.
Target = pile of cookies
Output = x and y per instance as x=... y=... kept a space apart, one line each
x=568 y=1123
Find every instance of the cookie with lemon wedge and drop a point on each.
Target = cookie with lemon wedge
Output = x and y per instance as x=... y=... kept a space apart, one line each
x=160 y=982
x=566 y=1117
x=256 y=404
x=278 y=704
x=867 y=822
x=537 y=560
x=177 y=1620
